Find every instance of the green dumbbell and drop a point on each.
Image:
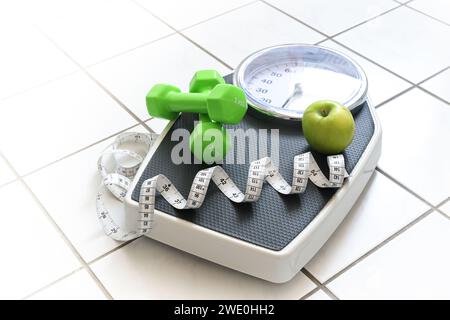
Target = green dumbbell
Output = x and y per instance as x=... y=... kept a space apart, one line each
x=215 y=101
x=204 y=81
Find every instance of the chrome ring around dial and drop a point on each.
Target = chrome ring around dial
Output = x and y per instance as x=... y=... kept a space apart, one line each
x=281 y=81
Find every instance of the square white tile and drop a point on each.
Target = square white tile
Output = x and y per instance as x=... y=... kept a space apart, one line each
x=33 y=254
x=6 y=174
x=28 y=59
x=78 y=286
x=73 y=207
x=382 y=84
x=173 y=60
x=415 y=131
x=92 y=30
x=319 y=295
x=383 y=209
x=404 y=41
x=235 y=35
x=146 y=269
x=446 y=208
x=439 y=9
x=49 y=122
x=331 y=17
x=439 y=85
x=181 y=14
x=413 y=266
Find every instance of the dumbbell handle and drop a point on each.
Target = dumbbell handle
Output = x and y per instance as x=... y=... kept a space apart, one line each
x=187 y=102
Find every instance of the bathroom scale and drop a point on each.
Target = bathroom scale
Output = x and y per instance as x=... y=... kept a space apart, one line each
x=274 y=237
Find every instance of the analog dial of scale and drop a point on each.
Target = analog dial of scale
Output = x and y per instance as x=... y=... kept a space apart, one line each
x=282 y=81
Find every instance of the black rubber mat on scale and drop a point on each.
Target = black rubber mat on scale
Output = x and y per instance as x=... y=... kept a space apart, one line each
x=274 y=220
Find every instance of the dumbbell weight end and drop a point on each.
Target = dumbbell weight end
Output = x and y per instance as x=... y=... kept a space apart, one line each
x=209 y=142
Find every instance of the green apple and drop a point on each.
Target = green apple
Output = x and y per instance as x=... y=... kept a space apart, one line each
x=328 y=126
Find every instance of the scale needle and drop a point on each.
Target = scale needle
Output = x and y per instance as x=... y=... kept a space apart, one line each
x=297 y=91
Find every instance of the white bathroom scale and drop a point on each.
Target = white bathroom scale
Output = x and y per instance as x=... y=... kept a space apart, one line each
x=274 y=237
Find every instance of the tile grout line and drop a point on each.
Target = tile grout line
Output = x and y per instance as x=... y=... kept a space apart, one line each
x=53 y=283
x=206 y=51
x=443 y=203
x=175 y=32
x=185 y=37
x=93 y=64
x=367 y=20
x=433 y=75
x=378 y=246
x=77 y=151
x=107 y=253
x=296 y=19
x=59 y=231
x=319 y=284
x=418 y=86
x=426 y=14
x=395 y=96
x=332 y=38
x=413 y=85
x=433 y=95
x=8 y=182
x=410 y=191
x=39 y=85
x=431 y=209
x=372 y=61
x=309 y=294
x=327 y=36
x=90 y=76
x=213 y=17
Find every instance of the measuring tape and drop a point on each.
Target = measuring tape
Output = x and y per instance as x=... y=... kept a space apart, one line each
x=119 y=181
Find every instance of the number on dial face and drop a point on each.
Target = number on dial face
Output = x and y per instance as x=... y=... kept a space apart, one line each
x=273 y=84
x=292 y=86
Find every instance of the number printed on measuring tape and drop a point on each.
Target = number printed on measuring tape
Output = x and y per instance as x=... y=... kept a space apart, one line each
x=260 y=171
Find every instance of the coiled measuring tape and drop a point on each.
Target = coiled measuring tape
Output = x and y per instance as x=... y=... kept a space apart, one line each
x=260 y=171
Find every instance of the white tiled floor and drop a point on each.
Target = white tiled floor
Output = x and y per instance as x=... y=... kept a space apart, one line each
x=78 y=286
x=338 y=16
x=258 y=26
x=382 y=209
x=55 y=120
x=413 y=266
x=424 y=129
x=181 y=14
x=146 y=269
x=108 y=27
x=439 y=9
x=407 y=42
x=38 y=254
x=20 y=70
x=48 y=120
